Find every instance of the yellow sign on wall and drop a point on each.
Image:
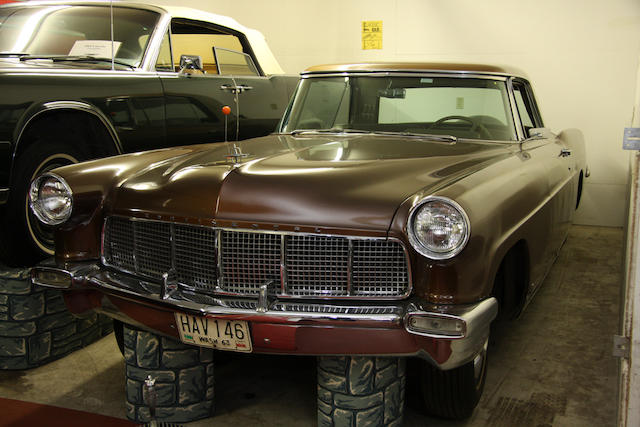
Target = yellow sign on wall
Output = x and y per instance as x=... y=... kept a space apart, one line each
x=371 y=35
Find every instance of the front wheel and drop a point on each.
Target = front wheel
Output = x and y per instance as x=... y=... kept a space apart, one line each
x=25 y=239
x=453 y=393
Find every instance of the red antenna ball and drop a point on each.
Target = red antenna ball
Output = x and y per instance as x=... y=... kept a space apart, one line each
x=226 y=110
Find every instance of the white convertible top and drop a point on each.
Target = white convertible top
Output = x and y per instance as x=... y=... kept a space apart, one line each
x=256 y=39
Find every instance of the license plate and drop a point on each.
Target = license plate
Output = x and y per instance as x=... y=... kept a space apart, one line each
x=221 y=334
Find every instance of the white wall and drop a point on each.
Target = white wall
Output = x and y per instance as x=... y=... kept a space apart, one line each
x=582 y=57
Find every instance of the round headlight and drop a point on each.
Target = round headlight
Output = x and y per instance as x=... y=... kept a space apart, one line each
x=51 y=199
x=438 y=228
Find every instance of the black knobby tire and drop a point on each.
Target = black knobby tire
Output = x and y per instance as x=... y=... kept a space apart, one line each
x=451 y=394
x=361 y=391
x=25 y=240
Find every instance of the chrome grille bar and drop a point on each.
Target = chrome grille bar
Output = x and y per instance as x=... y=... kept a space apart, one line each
x=215 y=261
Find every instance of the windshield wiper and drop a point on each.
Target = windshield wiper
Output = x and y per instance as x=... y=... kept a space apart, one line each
x=429 y=136
x=13 y=54
x=332 y=130
x=66 y=58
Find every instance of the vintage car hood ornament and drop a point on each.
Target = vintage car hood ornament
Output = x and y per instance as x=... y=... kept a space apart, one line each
x=237 y=155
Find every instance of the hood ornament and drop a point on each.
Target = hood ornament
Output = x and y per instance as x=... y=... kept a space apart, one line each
x=237 y=155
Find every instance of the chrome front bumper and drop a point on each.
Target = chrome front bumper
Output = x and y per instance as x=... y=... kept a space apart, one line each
x=447 y=335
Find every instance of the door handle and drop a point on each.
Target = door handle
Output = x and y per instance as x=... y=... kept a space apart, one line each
x=565 y=152
x=236 y=88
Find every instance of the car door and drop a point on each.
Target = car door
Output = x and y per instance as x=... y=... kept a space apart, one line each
x=261 y=99
x=547 y=154
x=195 y=96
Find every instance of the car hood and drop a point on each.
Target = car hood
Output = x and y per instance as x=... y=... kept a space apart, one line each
x=337 y=181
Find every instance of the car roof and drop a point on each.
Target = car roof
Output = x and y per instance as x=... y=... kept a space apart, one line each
x=179 y=11
x=414 y=67
x=265 y=57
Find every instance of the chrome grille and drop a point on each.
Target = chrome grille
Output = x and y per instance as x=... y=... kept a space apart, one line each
x=378 y=268
x=249 y=260
x=214 y=261
x=317 y=265
x=195 y=256
x=152 y=248
x=118 y=245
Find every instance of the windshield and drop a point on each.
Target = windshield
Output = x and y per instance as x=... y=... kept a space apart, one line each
x=76 y=30
x=461 y=107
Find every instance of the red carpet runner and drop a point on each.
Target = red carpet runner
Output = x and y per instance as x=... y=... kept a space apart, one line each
x=16 y=413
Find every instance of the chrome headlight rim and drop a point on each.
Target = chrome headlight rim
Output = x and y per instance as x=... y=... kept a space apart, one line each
x=419 y=246
x=34 y=191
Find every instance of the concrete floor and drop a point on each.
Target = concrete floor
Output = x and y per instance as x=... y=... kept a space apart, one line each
x=551 y=367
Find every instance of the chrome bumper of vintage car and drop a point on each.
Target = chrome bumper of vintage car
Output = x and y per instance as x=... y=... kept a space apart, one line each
x=447 y=335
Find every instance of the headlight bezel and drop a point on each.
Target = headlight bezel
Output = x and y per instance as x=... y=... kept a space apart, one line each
x=420 y=246
x=35 y=200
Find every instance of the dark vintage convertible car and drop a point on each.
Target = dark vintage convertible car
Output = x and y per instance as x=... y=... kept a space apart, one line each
x=397 y=211
x=65 y=98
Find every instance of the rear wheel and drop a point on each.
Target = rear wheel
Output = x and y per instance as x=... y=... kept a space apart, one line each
x=453 y=393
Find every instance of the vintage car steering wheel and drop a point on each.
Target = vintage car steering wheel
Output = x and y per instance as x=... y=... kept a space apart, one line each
x=475 y=126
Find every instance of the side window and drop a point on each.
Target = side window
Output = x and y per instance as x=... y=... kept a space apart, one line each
x=165 y=62
x=195 y=38
x=526 y=118
x=526 y=107
x=234 y=62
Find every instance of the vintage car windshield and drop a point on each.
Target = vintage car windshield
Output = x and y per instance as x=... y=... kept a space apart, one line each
x=472 y=108
x=81 y=31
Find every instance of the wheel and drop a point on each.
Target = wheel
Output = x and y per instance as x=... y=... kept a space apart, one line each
x=475 y=125
x=358 y=391
x=26 y=240
x=453 y=393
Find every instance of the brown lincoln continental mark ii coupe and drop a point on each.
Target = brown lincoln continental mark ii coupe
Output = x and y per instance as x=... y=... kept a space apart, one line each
x=397 y=211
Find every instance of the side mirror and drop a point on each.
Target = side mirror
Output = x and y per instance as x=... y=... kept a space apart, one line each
x=538 y=133
x=190 y=62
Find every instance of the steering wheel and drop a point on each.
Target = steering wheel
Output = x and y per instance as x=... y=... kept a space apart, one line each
x=475 y=126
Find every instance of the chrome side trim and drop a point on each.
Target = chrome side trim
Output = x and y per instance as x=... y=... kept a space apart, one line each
x=4 y=195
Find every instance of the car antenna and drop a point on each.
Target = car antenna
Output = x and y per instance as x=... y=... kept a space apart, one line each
x=237 y=154
x=113 y=61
